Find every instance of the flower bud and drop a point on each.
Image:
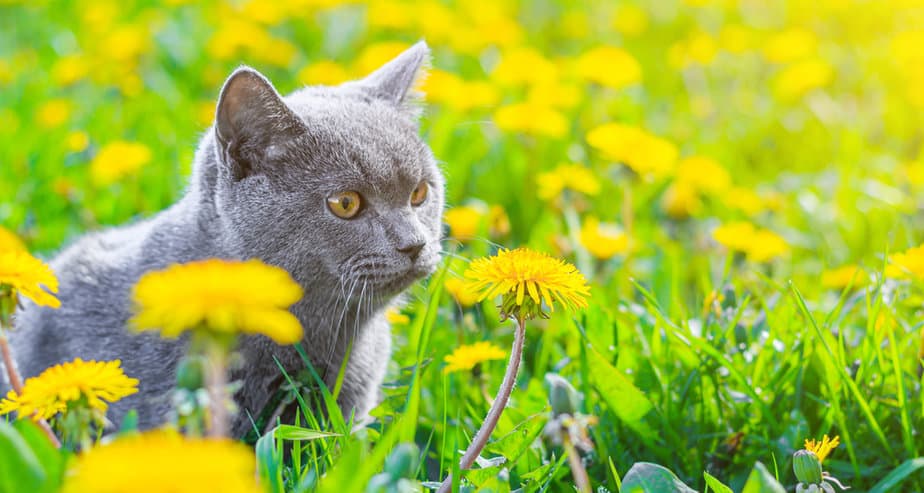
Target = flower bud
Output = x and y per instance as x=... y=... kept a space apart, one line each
x=562 y=396
x=807 y=467
x=191 y=373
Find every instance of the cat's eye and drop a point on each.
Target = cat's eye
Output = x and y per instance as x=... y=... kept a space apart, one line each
x=419 y=195
x=345 y=205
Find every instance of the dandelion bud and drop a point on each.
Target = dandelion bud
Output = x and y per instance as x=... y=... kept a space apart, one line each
x=807 y=467
x=562 y=396
x=191 y=373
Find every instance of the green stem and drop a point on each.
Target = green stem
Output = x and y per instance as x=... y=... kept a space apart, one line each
x=577 y=467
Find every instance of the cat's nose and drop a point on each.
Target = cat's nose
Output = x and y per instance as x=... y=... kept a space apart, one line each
x=411 y=248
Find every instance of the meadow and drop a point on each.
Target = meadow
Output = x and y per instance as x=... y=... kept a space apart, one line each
x=741 y=183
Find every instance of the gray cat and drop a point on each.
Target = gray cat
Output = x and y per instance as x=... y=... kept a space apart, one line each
x=332 y=184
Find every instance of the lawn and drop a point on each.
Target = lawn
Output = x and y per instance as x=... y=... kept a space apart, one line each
x=741 y=183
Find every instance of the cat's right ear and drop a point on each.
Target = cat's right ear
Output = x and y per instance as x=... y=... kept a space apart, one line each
x=250 y=116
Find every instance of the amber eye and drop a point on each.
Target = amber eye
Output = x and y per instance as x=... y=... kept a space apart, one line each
x=345 y=205
x=419 y=195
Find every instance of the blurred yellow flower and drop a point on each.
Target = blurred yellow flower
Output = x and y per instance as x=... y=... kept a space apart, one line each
x=499 y=221
x=574 y=177
x=389 y=14
x=69 y=69
x=223 y=297
x=237 y=36
x=907 y=264
x=797 y=79
x=555 y=95
x=458 y=289
x=699 y=48
x=449 y=89
x=603 y=240
x=681 y=200
x=9 y=241
x=843 y=276
x=376 y=54
x=533 y=119
x=905 y=48
x=117 y=160
x=98 y=383
x=914 y=173
x=736 y=38
x=790 y=45
x=162 y=461
x=77 y=141
x=744 y=200
x=464 y=222
x=323 y=72
x=704 y=174
x=28 y=276
x=464 y=358
x=53 y=113
x=526 y=279
x=759 y=245
x=646 y=154
x=395 y=317
x=630 y=20
x=524 y=65
x=126 y=43
x=609 y=66
x=822 y=447
x=205 y=113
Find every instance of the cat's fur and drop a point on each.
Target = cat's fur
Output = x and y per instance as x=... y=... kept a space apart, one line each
x=259 y=187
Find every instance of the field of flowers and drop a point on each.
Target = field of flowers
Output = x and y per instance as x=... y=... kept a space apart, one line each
x=740 y=182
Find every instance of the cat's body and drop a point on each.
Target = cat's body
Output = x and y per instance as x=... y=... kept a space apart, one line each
x=259 y=189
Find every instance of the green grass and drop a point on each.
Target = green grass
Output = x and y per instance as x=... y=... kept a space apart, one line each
x=784 y=358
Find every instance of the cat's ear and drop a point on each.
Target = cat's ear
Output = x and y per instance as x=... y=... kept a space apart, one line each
x=250 y=118
x=397 y=81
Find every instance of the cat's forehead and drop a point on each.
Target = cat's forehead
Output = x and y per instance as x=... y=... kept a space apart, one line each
x=363 y=139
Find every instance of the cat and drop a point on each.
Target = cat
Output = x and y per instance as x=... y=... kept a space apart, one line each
x=274 y=178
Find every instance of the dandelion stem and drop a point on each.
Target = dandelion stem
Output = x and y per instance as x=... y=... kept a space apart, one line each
x=16 y=383
x=216 y=383
x=500 y=402
x=577 y=467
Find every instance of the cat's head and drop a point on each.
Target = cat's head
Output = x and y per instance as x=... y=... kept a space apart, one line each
x=332 y=183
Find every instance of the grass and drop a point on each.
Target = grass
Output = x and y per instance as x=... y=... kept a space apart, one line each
x=691 y=355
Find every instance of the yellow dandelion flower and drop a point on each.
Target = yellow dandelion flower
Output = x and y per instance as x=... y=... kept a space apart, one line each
x=449 y=89
x=98 y=383
x=913 y=173
x=377 y=54
x=907 y=264
x=53 y=113
x=759 y=245
x=603 y=240
x=630 y=20
x=744 y=200
x=555 y=95
x=840 y=277
x=524 y=65
x=700 y=48
x=117 y=160
x=801 y=77
x=394 y=316
x=704 y=174
x=609 y=66
x=70 y=69
x=9 y=241
x=460 y=292
x=646 y=154
x=531 y=118
x=464 y=221
x=736 y=38
x=29 y=276
x=823 y=447
x=464 y=358
x=160 y=461
x=219 y=296
x=681 y=200
x=526 y=279
x=323 y=72
x=77 y=141
x=574 y=177
x=499 y=221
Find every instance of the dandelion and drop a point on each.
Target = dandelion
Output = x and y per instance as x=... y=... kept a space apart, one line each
x=907 y=264
x=524 y=65
x=376 y=55
x=9 y=241
x=216 y=300
x=448 y=89
x=458 y=289
x=841 y=277
x=528 y=279
x=603 y=240
x=609 y=66
x=822 y=447
x=464 y=222
x=97 y=383
x=117 y=160
x=161 y=461
x=704 y=174
x=799 y=78
x=323 y=72
x=759 y=245
x=221 y=297
x=630 y=20
x=465 y=358
x=807 y=464
x=647 y=155
x=531 y=118
x=77 y=141
x=744 y=200
x=53 y=113
x=525 y=279
x=395 y=317
x=790 y=45
x=574 y=177
x=21 y=273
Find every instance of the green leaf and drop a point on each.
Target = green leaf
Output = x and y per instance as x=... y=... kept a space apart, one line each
x=20 y=468
x=761 y=481
x=645 y=477
x=622 y=396
x=513 y=444
x=290 y=432
x=715 y=485
x=48 y=455
x=270 y=463
x=898 y=475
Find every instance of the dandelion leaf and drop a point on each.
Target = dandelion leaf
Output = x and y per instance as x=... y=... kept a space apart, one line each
x=645 y=477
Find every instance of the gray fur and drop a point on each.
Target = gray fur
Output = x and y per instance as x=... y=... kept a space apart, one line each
x=258 y=190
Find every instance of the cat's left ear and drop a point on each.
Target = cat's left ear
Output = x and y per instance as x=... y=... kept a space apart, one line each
x=397 y=82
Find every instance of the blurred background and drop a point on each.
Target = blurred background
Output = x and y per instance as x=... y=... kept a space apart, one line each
x=690 y=157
